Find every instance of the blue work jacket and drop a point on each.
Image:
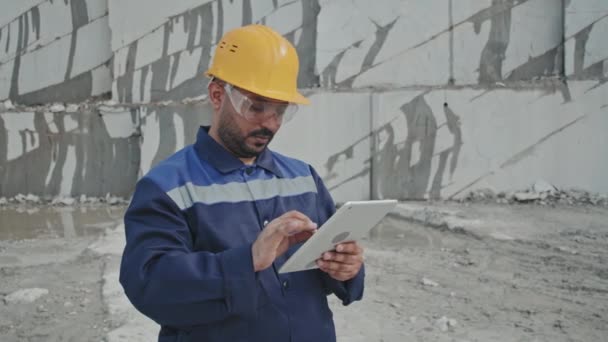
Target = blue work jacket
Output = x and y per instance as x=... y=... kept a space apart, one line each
x=187 y=263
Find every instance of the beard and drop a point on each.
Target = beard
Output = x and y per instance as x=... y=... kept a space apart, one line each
x=236 y=142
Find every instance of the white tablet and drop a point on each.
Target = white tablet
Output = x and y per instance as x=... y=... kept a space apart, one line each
x=351 y=222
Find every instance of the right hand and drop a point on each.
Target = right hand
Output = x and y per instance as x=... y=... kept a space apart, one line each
x=286 y=230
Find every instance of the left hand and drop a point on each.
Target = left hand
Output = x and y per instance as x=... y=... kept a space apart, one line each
x=344 y=263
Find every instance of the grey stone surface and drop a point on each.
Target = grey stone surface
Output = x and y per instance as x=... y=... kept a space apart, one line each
x=458 y=97
x=25 y=296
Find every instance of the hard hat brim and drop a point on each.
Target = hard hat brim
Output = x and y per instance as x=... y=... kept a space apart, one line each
x=300 y=99
x=294 y=98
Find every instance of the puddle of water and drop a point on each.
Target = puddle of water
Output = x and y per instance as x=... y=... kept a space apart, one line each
x=70 y=222
x=57 y=222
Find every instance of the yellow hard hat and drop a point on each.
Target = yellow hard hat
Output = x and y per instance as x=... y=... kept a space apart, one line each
x=258 y=59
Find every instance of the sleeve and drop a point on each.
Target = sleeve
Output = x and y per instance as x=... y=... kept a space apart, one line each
x=350 y=290
x=169 y=282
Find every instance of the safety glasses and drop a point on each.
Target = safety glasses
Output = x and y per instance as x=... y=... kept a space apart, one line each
x=259 y=110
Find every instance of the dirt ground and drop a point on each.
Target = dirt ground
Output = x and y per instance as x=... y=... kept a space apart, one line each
x=552 y=286
x=47 y=248
x=544 y=278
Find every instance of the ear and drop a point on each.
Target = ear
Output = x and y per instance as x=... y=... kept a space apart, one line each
x=216 y=95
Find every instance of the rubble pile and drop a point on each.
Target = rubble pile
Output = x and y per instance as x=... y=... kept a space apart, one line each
x=33 y=200
x=100 y=103
x=541 y=193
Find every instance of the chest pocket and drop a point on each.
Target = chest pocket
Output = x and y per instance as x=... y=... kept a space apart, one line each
x=222 y=226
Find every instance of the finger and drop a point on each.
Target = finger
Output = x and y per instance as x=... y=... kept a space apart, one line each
x=342 y=276
x=281 y=228
x=287 y=218
x=293 y=226
x=352 y=259
x=301 y=237
x=295 y=214
x=328 y=266
x=349 y=248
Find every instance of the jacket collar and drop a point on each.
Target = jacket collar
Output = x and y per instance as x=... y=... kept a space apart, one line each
x=217 y=156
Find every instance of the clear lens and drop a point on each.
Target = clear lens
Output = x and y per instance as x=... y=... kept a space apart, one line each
x=259 y=111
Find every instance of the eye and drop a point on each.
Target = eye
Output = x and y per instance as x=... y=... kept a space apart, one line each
x=257 y=107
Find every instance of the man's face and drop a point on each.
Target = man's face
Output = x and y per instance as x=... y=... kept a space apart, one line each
x=245 y=138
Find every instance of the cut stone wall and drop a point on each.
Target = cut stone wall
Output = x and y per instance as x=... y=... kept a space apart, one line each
x=410 y=99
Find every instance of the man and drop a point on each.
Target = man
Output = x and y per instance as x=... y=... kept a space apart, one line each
x=209 y=227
